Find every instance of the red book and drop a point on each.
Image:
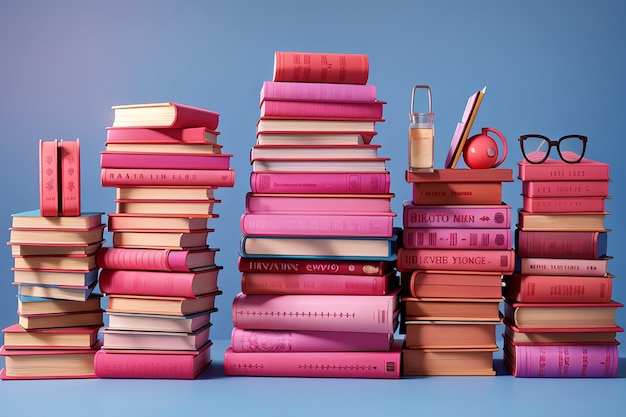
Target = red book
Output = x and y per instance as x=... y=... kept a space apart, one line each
x=157 y=239
x=120 y=177
x=152 y=364
x=317 y=92
x=315 y=67
x=380 y=364
x=69 y=181
x=561 y=244
x=562 y=221
x=167 y=284
x=460 y=238
x=461 y=193
x=315 y=283
x=261 y=203
x=155 y=259
x=312 y=224
x=344 y=313
x=567 y=204
x=558 y=288
x=312 y=265
x=423 y=284
x=461 y=175
x=565 y=188
x=166 y=161
x=321 y=110
x=563 y=266
x=49 y=187
x=164 y=115
x=189 y=135
x=483 y=260
x=456 y=216
x=557 y=170
x=320 y=182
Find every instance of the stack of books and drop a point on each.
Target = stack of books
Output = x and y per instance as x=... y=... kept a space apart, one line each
x=456 y=246
x=160 y=275
x=320 y=294
x=559 y=312
x=54 y=250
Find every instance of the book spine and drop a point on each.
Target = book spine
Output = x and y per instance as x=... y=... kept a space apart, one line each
x=311 y=109
x=164 y=161
x=557 y=289
x=314 y=364
x=560 y=244
x=432 y=193
x=301 y=224
x=49 y=189
x=145 y=365
x=69 y=181
x=133 y=282
x=134 y=259
x=562 y=266
x=320 y=67
x=125 y=177
x=565 y=188
x=470 y=216
x=307 y=341
x=372 y=314
x=485 y=260
x=318 y=92
x=447 y=238
x=321 y=284
x=197 y=135
x=312 y=266
x=322 y=183
x=562 y=361
x=564 y=172
x=560 y=205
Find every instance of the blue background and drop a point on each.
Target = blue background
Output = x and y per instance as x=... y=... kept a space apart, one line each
x=550 y=67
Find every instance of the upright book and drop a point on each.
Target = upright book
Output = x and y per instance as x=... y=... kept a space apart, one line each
x=69 y=180
x=49 y=188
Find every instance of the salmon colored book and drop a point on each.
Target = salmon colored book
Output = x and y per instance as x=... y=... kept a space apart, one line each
x=461 y=175
x=441 y=334
x=56 y=236
x=447 y=193
x=566 y=221
x=561 y=336
x=321 y=67
x=174 y=306
x=157 y=239
x=448 y=362
x=166 y=114
x=477 y=260
x=561 y=315
x=69 y=177
x=15 y=337
x=33 y=219
x=555 y=169
x=452 y=284
x=558 y=288
x=452 y=309
x=49 y=187
x=202 y=208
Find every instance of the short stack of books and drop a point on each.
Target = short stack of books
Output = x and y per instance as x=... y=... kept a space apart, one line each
x=160 y=275
x=59 y=315
x=456 y=245
x=320 y=294
x=559 y=312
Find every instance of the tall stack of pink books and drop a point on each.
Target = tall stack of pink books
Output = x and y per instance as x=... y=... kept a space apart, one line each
x=456 y=246
x=54 y=250
x=559 y=312
x=160 y=274
x=320 y=294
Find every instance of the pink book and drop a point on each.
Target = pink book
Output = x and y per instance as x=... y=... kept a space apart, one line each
x=317 y=92
x=160 y=283
x=287 y=341
x=459 y=238
x=314 y=283
x=558 y=288
x=120 y=177
x=49 y=187
x=560 y=205
x=348 y=165
x=456 y=216
x=562 y=266
x=484 y=260
x=317 y=266
x=155 y=259
x=166 y=135
x=164 y=115
x=321 y=110
x=261 y=203
x=566 y=188
x=557 y=170
x=345 y=313
x=560 y=244
x=314 y=151
x=378 y=364
x=69 y=180
x=152 y=364
x=165 y=161
x=320 y=182
x=311 y=224
x=316 y=67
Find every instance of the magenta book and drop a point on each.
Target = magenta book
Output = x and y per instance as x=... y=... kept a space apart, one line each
x=567 y=204
x=565 y=188
x=557 y=170
x=561 y=244
x=121 y=177
x=155 y=259
x=314 y=266
x=265 y=203
x=308 y=341
x=321 y=110
x=320 y=182
x=378 y=364
x=563 y=266
x=456 y=216
x=197 y=135
x=317 y=92
x=484 y=260
x=164 y=115
x=460 y=238
x=166 y=161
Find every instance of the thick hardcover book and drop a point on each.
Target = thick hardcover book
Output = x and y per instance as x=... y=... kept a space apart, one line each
x=137 y=339
x=168 y=284
x=274 y=125
x=565 y=188
x=288 y=341
x=439 y=334
x=322 y=110
x=312 y=224
x=452 y=309
x=352 y=165
x=69 y=177
x=566 y=221
x=320 y=182
x=56 y=277
x=164 y=115
x=447 y=284
x=440 y=193
x=16 y=337
x=110 y=159
x=461 y=175
x=56 y=236
x=158 y=239
x=458 y=238
x=29 y=306
x=345 y=313
x=480 y=260
x=448 y=362
x=561 y=361
x=561 y=336
x=560 y=205
x=375 y=364
x=495 y=216
x=33 y=249
x=58 y=292
x=310 y=151
x=558 y=288
x=313 y=138
x=557 y=170
x=173 y=208
x=314 y=266
x=75 y=263
x=33 y=219
x=155 y=259
x=317 y=67
x=563 y=266
x=152 y=364
x=265 y=203
x=49 y=187
x=317 y=92
x=191 y=135
x=164 y=148
x=179 y=193
x=561 y=244
x=177 y=222
x=55 y=320
x=121 y=177
x=316 y=283
x=561 y=315
x=174 y=306
x=159 y=322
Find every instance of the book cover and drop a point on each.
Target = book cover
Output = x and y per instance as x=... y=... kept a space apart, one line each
x=563 y=266
x=423 y=284
x=461 y=175
x=442 y=334
x=351 y=165
x=321 y=110
x=164 y=115
x=122 y=177
x=310 y=151
x=49 y=187
x=320 y=182
x=435 y=193
x=561 y=244
x=482 y=260
x=538 y=205
x=558 y=288
x=317 y=67
x=565 y=188
x=149 y=340
x=175 y=306
x=16 y=337
x=456 y=238
x=265 y=203
x=557 y=170
x=452 y=309
x=313 y=138
x=156 y=239
x=561 y=315
x=448 y=362
x=574 y=221
x=191 y=135
x=155 y=259
x=33 y=219
x=495 y=216
x=160 y=322
x=317 y=92
x=109 y=159
x=314 y=265
x=69 y=177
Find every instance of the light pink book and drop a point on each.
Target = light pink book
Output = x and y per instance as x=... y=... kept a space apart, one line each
x=320 y=182
x=69 y=177
x=456 y=216
x=557 y=170
x=346 y=313
x=312 y=224
x=261 y=203
x=314 y=265
x=378 y=364
x=564 y=266
x=322 y=110
x=577 y=188
x=110 y=159
x=155 y=259
x=243 y=340
x=150 y=340
x=459 y=238
x=561 y=205
x=317 y=92
x=164 y=135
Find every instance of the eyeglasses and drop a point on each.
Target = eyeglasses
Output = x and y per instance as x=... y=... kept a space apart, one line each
x=571 y=148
